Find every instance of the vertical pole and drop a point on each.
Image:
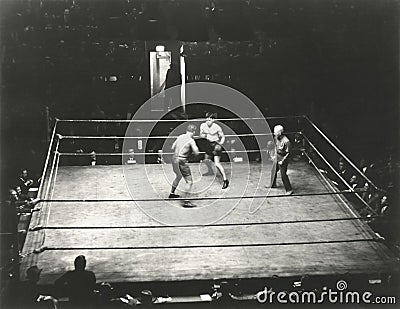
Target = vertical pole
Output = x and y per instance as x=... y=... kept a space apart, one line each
x=47 y=118
x=183 y=77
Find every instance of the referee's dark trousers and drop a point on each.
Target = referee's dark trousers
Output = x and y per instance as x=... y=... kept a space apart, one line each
x=284 y=176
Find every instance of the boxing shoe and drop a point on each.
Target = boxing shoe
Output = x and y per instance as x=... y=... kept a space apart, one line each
x=225 y=184
x=188 y=204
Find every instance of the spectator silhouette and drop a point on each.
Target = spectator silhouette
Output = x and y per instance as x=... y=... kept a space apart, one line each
x=146 y=298
x=344 y=173
x=29 y=287
x=173 y=77
x=24 y=181
x=107 y=297
x=22 y=202
x=80 y=283
x=22 y=196
x=29 y=294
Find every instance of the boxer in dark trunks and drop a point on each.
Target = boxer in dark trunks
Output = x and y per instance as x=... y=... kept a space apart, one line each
x=214 y=134
x=183 y=147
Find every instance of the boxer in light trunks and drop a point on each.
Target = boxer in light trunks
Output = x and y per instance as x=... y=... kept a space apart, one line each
x=183 y=147
x=214 y=134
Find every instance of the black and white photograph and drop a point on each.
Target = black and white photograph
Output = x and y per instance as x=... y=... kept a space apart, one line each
x=199 y=153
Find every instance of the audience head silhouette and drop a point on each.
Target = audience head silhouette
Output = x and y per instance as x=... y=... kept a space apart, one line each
x=80 y=263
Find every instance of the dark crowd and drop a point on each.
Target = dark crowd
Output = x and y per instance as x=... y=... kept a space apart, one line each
x=78 y=288
x=374 y=193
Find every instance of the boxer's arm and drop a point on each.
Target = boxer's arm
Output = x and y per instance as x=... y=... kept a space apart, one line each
x=272 y=154
x=195 y=149
x=203 y=134
x=221 y=136
x=288 y=149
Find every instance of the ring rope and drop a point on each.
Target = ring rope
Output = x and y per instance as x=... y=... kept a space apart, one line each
x=161 y=136
x=330 y=185
x=348 y=207
x=52 y=193
x=47 y=160
x=235 y=119
x=45 y=248
x=58 y=154
x=179 y=120
x=150 y=153
x=202 y=198
x=342 y=154
x=55 y=175
x=207 y=225
x=55 y=159
x=52 y=169
x=39 y=226
x=337 y=174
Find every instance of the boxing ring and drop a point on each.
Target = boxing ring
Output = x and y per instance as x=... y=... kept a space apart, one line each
x=88 y=209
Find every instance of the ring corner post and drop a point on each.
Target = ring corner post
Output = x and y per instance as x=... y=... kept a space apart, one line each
x=183 y=78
